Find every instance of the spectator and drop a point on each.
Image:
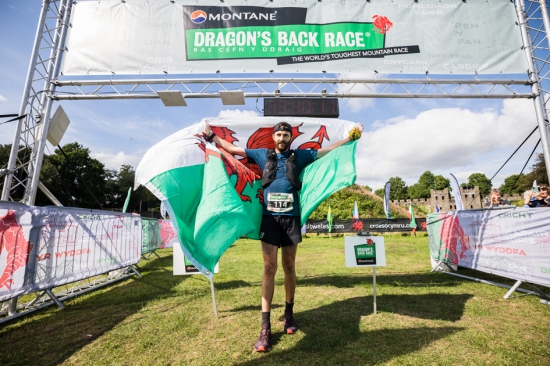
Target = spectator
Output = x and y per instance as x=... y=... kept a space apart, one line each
x=540 y=199
x=496 y=200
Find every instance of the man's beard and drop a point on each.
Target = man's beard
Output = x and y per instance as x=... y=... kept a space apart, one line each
x=282 y=146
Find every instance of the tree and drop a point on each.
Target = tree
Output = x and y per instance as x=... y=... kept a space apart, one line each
x=422 y=188
x=511 y=185
x=138 y=198
x=380 y=192
x=441 y=182
x=398 y=190
x=76 y=180
x=480 y=180
x=537 y=173
x=368 y=188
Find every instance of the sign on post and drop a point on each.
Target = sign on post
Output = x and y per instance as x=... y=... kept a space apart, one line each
x=366 y=251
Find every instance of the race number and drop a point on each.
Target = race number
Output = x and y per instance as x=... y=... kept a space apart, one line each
x=280 y=202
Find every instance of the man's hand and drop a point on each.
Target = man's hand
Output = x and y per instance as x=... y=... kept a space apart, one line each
x=207 y=129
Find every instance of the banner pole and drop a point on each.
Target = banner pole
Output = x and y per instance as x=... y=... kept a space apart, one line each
x=213 y=297
x=374 y=288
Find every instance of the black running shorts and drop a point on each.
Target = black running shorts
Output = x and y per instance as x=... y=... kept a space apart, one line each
x=280 y=230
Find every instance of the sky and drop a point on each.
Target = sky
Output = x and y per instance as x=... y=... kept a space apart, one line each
x=403 y=137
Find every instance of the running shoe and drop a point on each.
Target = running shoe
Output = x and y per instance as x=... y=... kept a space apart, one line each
x=290 y=324
x=263 y=344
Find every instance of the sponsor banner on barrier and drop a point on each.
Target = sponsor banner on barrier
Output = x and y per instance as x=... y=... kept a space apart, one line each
x=44 y=247
x=168 y=234
x=374 y=225
x=151 y=239
x=399 y=36
x=512 y=243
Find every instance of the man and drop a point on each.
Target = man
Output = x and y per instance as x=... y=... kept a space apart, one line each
x=280 y=226
x=496 y=200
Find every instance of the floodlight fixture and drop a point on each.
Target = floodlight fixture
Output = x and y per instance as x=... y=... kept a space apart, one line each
x=172 y=98
x=232 y=97
x=57 y=127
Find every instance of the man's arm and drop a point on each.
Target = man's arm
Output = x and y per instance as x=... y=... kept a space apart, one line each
x=322 y=152
x=230 y=148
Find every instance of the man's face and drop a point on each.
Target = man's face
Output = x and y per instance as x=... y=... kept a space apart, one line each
x=543 y=192
x=281 y=140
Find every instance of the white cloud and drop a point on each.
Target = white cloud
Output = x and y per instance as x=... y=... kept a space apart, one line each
x=238 y=113
x=445 y=139
x=114 y=161
x=2 y=98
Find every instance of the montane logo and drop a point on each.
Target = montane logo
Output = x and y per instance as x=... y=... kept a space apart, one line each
x=199 y=16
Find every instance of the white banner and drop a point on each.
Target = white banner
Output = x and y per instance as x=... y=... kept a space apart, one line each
x=44 y=247
x=398 y=36
x=512 y=243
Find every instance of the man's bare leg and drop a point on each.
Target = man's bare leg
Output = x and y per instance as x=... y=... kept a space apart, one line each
x=289 y=260
x=269 y=253
x=289 y=267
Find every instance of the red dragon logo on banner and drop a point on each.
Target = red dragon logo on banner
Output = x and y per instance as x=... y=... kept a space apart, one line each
x=247 y=172
x=451 y=233
x=382 y=24
x=17 y=248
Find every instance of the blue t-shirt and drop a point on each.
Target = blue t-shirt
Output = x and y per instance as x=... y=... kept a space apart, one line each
x=281 y=184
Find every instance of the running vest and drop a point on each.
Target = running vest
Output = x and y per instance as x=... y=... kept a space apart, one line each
x=270 y=170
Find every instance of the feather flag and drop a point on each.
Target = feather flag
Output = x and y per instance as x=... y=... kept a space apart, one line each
x=127 y=200
x=436 y=208
x=163 y=210
x=413 y=220
x=355 y=211
x=329 y=219
x=387 y=200
x=535 y=186
x=456 y=193
x=213 y=198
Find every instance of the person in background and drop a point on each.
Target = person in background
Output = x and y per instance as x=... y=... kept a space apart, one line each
x=495 y=200
x=540 y=199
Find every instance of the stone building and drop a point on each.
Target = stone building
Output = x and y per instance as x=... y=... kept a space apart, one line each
x=470 y=198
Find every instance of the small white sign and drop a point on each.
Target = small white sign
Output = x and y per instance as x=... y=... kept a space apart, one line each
x=182 y=266
x=365 y=251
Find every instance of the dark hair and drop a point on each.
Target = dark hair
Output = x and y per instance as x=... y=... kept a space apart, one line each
x=283 y=126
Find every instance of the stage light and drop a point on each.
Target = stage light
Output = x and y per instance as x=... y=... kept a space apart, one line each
x=232 y=97
x=172 y=98
x=58 y=125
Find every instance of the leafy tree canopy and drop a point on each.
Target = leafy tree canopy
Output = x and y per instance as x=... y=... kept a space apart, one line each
x=480 y=180
x=398 y=190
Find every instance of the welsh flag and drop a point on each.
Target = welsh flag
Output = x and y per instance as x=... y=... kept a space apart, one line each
x=413 y=220
x=329 y=218
x=214 y=198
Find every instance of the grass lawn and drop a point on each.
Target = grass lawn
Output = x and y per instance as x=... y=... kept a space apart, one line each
x=423 y=318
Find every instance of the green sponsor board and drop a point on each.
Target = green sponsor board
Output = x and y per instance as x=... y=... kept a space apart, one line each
x=281 y=41
x=190 y=267
x=365 y=254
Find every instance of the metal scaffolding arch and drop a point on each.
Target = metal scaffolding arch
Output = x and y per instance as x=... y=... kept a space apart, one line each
x=43 y=84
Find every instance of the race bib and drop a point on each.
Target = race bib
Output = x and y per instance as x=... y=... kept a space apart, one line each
x=280 y=202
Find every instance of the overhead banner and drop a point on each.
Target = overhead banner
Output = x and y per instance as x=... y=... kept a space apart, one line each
x=512 y=243
x=371 y=225
x=399 y=36
x=45 y=247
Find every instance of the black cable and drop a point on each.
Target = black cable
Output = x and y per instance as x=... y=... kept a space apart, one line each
x=13 y=119
x=529 y=158
x=8 y=115
x=513 y=153
x=507 y=160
